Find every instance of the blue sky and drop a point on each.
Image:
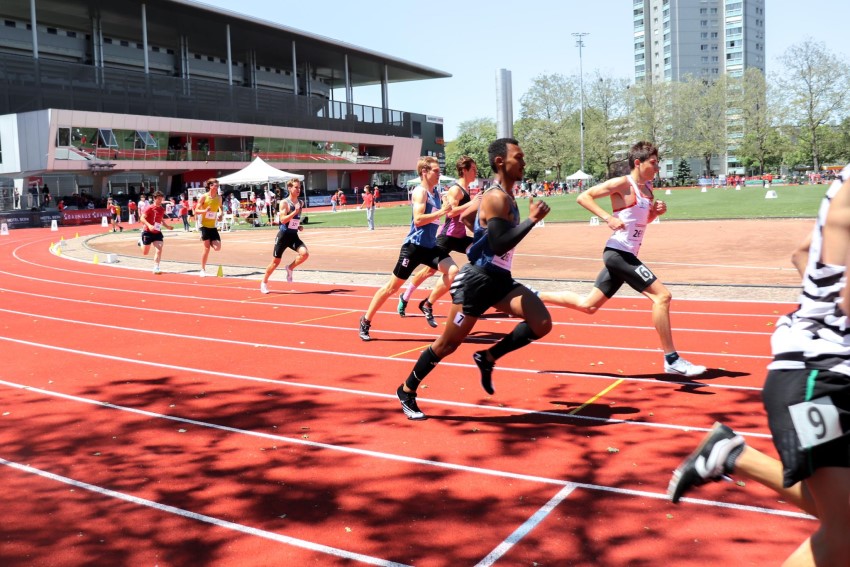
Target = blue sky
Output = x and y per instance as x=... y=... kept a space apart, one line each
x=474 y=38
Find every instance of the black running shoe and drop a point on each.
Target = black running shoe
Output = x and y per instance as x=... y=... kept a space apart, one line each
x=425 y=308
x=402 y=305
x=408 y=404
x=486 y=368
x=712 y=460
x=364 y=329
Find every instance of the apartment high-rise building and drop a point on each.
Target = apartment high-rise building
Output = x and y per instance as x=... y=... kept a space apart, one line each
x=701 y=38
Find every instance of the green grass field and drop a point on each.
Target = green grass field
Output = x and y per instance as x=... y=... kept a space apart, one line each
x=793 y=201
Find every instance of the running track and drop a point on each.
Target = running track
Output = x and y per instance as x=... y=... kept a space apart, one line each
x=174 y=420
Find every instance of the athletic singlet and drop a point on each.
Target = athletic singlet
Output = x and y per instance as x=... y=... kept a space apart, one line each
x=480 y=254
x=425 y=235
x=154 y=215
x=635 y=217
x=453 y=226
x=295 y=221
x=816 y=334
x=214 y=204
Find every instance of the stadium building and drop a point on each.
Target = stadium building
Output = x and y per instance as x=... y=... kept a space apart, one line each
x=111 y=97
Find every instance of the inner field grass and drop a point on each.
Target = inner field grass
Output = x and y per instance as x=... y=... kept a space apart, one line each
x=792 y=201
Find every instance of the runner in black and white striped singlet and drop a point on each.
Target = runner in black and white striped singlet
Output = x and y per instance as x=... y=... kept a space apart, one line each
x=815 y=335
x=806 y=396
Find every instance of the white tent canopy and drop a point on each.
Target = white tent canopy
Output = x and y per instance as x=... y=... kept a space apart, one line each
x=579 y=175
x=444 y=180
x=256 y=173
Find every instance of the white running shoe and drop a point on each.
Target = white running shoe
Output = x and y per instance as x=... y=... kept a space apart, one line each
x=202 y=273
x=263 y=287
x=683 y=367
x=156 y=269
x=288 y=274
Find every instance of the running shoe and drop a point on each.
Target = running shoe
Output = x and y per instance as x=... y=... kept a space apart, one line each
x=263 y=287
x=156 y=269
x=486 y=368
x=683 y=367
x=139 y=242
x=402 y=305
x=288 y=274
x=425 y=308
x=364 y=329
x=711 y=461
x=202 y=274
x=408 y=404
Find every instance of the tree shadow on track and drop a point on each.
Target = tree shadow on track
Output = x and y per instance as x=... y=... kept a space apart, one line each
x=557 y=416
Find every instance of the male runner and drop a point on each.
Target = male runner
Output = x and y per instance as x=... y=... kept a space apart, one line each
x=486 y=280
x=634 y=207
x=420 y=245
x=289 y=216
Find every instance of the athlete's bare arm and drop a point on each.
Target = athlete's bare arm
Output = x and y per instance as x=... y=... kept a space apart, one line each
x=615 y=188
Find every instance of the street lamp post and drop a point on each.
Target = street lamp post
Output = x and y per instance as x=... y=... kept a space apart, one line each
x=580 y=44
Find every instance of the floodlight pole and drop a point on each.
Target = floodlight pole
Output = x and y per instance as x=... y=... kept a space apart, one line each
x=580 y=44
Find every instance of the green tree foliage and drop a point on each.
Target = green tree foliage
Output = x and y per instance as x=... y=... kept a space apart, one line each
x=651 y=110
x=607 y=124
x=816 y=88
x=474 y=137
x=752 y=112
x=548 y=126
x=684 y=175
x=699 y=121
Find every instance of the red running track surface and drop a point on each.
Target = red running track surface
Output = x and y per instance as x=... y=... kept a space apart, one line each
x=173 y=420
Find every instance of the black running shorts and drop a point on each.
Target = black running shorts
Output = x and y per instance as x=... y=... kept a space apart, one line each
x=412 y=255
x=477 y=290
x=812 y=408
x=210 y=233
x=286 y=239
x=622 y=267
x=149 y=238
x=454 y=243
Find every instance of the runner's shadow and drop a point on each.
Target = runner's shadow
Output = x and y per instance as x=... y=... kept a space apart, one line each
x=598 y=414
x=316 y=292
x=688 y=386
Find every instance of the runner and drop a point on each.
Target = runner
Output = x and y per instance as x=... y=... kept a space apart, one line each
x=634 y=208
x=207 y=210
x=289 y=216
x=152 y=222
x=806 y=396
x=487 y=281
x=420 y=245
x=452 y=237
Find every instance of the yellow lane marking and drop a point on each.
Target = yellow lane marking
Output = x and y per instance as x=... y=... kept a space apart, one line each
x=325 y=317
x=409 y=351
x=596 y=397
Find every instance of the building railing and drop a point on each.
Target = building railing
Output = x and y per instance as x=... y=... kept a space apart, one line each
x=28 y=84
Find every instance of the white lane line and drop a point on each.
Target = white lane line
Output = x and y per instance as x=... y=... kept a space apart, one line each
x=425 y=337
x=408 y=361
x=317 y=547
x=402 y=458
x=525 y=528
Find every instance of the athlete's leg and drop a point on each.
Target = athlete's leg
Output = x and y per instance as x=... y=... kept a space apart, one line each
x=157 y=251
x=270 y=269
x=767 y=471
x=205 y=255
x=661 y=297
x=384 y=293
x=449 y=270
x=829 y=545
x=589 y=303
x=301 y=256
x=422 y=274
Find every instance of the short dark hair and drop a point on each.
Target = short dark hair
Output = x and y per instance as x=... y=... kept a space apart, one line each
x=499 y=148
x=641 y=151
x=463 y=164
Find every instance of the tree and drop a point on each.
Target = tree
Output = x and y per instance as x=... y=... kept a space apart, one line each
x=474 y=137
x=651 y=113
x=752 y=112
x=700 y=119
x=607 y=124
x=815 y=85
x=548 y=128
x=683 y=173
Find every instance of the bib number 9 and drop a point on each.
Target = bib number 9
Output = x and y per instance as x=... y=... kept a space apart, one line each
x=816 y=422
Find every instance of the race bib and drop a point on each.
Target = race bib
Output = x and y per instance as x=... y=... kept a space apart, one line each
x=157 y=226
x=504 y=261
x=211 y=214
x=816 y=422
x=636 y=233
x=294 y=224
